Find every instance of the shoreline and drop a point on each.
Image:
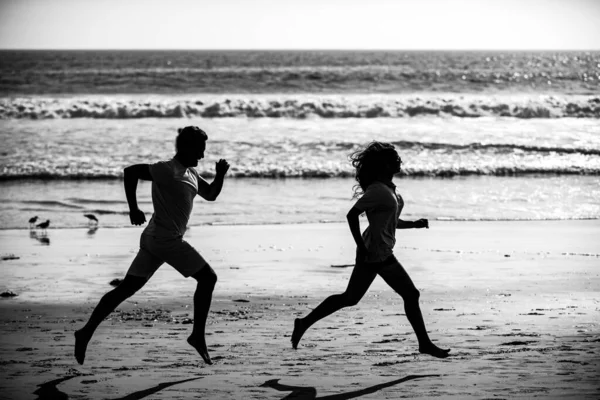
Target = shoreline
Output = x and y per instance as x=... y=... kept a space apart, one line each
x=300 y=201
x=233 y=224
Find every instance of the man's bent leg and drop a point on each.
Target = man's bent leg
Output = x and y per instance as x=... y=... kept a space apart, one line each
x=109 y=302
x=207 y=279
x=188 y=262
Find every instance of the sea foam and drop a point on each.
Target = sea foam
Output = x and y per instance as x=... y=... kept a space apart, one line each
x=300 y=107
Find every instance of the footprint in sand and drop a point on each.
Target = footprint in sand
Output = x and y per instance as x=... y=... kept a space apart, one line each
x=518 y=343
x=533 y=313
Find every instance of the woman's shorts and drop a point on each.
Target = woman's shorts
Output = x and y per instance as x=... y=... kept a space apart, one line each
x=379 y=264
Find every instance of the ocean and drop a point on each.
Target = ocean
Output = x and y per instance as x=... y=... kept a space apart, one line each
x=483 y=135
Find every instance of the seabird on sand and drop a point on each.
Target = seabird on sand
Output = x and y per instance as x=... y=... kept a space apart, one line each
x=91 y=217
x=32 y=221
x=44 y=225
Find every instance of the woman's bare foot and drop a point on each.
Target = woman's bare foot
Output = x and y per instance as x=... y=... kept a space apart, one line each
x=299 y=330
x=200 y=346
x=81 y=342
x=434 y=351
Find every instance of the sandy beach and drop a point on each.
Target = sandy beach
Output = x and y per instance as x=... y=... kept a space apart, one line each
x=517 y=302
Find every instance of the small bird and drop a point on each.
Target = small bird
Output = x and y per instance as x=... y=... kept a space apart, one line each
x=44 y=225
x=92 y=218
x=32 y=221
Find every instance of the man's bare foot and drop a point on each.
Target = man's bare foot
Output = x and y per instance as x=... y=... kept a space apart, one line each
x=434 y=351
x=81 y=342
x=299 y=330
x=200 y=346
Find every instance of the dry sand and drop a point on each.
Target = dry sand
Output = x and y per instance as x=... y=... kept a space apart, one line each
x=518 y=303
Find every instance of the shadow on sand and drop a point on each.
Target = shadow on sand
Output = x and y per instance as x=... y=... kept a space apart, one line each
x=49 y=391
x=147 y=392
x=42 y=238
x=310 y=393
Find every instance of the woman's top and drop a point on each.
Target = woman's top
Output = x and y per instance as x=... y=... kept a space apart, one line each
x=383 y=207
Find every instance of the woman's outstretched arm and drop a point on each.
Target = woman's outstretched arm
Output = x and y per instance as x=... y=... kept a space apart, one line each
x=420 y=223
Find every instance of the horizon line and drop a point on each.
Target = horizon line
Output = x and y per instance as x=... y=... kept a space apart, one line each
x=292 y=49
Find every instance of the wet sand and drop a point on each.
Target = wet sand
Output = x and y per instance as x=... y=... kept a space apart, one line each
x=518 y=303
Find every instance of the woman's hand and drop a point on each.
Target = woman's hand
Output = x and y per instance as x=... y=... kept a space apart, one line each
x=421 y=223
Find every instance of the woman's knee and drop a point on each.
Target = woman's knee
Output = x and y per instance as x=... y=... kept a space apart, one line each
x=411 y=296
x=350 y=300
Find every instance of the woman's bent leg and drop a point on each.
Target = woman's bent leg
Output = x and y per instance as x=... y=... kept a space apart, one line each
x=359 y=283
x=399 y=280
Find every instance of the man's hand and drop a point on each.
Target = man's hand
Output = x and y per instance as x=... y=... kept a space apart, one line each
x=137 y=217
x=222 y=166
x=422 y=223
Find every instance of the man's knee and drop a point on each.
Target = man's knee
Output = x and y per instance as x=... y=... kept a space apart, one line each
x=206 y=276
x=210 y=276
x=131 y=284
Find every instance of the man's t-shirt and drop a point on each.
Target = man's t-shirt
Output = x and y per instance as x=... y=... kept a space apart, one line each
x=383 y=207
x=173 y=190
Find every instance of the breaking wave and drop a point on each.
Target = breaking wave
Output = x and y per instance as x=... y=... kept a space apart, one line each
x=284 y=172
x=501 y=147
x=299 y=107
x=325 y=159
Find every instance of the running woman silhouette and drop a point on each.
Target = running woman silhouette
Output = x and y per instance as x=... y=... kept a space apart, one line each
x=375 y=166
x=175 y=184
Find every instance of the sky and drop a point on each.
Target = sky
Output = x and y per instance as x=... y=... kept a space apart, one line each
x=301 y=24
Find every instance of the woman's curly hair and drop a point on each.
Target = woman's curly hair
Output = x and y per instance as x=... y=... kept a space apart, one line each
x=370 y=162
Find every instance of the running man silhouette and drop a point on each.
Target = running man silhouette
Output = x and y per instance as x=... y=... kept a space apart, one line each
x=375 y=167
x=175 y=183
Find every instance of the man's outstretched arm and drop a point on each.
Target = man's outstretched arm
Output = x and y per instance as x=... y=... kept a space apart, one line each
x=210 y=191
x=132 y=174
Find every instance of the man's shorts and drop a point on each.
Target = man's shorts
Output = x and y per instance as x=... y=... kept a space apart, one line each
x=154 y=251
